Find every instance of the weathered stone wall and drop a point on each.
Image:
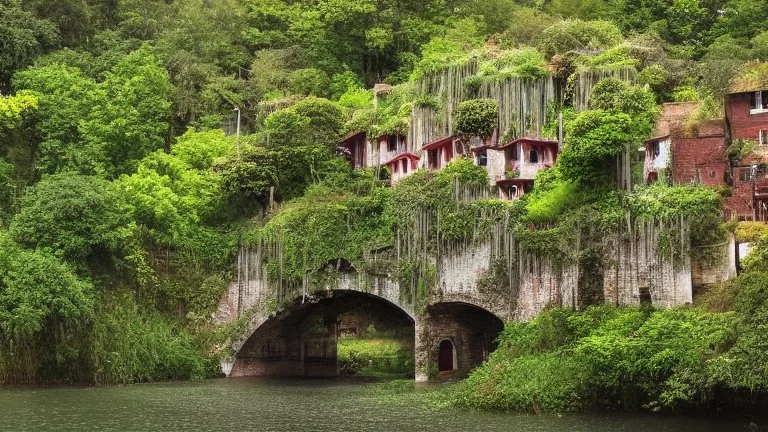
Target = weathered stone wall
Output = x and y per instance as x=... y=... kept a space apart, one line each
x=471 y=330
x=495 y=276
x=718 y=267
x=641 y=273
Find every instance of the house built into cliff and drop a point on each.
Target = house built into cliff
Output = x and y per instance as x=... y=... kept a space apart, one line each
x=746 y=115
x=685 y=150
x=511 y=167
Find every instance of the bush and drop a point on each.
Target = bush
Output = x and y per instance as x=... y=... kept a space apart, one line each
x=72 y=214
x=477 y=117
x=594 y=138
x=604 y=357
x=309 y=82
x=570 y=35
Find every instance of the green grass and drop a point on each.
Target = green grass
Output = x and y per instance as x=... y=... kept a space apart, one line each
x=382 y=358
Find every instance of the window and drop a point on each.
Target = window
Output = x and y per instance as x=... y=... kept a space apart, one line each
x=513 y=152
x=744 y=174
x=432 y=158
x=763 y=137
x=655 y=150
x=405 y=166
x=534 y=157
x=482 y=159
x=392 y=142
x=758 y=101
x=712 y=174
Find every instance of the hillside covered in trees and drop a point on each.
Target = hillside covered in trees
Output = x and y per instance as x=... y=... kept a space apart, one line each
x=125 y=193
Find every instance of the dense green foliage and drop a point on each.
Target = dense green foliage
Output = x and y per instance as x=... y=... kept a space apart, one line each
x=372 y=356
x=477 y=117
x=123 y=199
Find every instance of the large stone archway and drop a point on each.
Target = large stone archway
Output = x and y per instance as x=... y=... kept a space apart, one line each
x=300 y=340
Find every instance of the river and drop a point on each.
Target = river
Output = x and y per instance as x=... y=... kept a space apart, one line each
x=293 y=406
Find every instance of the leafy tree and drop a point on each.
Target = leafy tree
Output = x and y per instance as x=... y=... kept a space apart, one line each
x=618 y=96
x=168 y=197
x=133 y=119
x=73 y=18
x=77 y=216
x=309 y=82
x=477 y=117
x=759 y=45
x=66 y=97
x=44 y=311
x=593 y=139
x=199 y=150
x=742 y=19
x=290 y=169
x=326 y=120
x=286 y=127
x=24 y=37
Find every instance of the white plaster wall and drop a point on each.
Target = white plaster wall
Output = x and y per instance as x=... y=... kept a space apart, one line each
x=495 y=165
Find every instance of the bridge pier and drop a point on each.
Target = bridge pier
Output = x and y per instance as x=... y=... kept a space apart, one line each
x=452 y=339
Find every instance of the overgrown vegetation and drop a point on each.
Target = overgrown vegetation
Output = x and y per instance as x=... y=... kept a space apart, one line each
x=684 y=359
x=124 y=195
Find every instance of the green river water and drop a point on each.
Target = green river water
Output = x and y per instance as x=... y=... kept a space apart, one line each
x=294 y=406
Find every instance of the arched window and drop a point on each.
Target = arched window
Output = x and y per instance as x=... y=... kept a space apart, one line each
x=446 y=358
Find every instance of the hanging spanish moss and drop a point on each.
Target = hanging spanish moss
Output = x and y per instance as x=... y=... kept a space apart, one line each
x=584 y=80
x=523 y=103
x=427 y=125
x=479 y=254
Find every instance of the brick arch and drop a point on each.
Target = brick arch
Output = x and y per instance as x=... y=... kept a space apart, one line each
x=471 y=329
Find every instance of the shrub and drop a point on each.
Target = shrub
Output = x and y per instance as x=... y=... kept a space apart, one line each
x=309 y=82
x=477 y=117
x=570 y=35
x=74 y=214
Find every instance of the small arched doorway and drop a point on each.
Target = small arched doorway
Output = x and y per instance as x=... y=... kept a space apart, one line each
x=446 y=358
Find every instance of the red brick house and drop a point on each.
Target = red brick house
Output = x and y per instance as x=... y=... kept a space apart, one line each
x=687 y=151
x=746 y=115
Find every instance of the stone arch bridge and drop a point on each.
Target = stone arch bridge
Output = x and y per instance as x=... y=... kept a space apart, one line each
x=291 y=329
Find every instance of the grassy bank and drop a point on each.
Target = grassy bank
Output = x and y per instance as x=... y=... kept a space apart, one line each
x=684 y=359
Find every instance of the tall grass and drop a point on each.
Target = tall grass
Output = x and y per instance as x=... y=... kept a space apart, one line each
x=130 y=345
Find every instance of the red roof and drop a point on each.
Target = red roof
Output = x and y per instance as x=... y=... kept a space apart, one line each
x=529 y=141
x=402 y=156
x=438 y=143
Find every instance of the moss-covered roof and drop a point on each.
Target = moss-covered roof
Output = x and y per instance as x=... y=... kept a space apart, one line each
x=753 y=76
